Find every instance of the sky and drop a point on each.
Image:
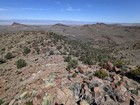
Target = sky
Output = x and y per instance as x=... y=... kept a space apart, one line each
x=117 y=11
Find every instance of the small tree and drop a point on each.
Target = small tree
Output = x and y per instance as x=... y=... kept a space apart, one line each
x=21 y=63
x=9 y=55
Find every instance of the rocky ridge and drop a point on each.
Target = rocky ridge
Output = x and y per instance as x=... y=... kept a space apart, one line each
x=47 y=80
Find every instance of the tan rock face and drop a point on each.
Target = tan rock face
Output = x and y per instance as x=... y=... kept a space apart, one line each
x=97 y=92
x=12 y=102
x=80 y=69
x=116 y=69
x=64 y=96
x=116 y=78
x=108 y=66
x=83 y=102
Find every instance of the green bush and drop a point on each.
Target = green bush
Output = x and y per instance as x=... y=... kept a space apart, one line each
x=2 y=61
x=119 y=63
x=9 y=55
x=51 y=53
x=101 y=74
x=3 y=49
x=88 y=60
x=26 y=50
x=1 y=101
x=135 y=73
x=67 y=59
x=37 y=50
x=21 y=63
x=72 y=64
x=74 y=75
x=29 y=103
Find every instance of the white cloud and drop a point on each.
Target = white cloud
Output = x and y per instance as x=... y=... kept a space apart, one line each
x=88 y=5
x=33 y=9
x=3 y=9
x=72 y=9
x=30 y=9
x=58 y=3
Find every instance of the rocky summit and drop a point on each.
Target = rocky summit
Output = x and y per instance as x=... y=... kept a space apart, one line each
x=53 y=66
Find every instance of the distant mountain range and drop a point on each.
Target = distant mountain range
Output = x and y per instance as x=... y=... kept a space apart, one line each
x=43 y=22
x=51 y=22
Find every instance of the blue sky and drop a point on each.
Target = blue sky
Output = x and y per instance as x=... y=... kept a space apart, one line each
x=127 y=11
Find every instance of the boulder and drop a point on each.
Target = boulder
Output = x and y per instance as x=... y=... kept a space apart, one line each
x=76 y=87
x=65 y=96
x=97 y=93
x=24 y=94
x=83 y=102
x=47 y=100
x=116 y=78
x=108 y=66
x=109 y=101
x=80 y=70
x=12 y=102
x=117 y=70
x=50 y=81
x=120 y=97
x=96 y=82
x=87 y=95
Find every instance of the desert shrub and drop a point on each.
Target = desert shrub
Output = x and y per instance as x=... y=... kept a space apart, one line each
x=135 y=73
x=101 y=74
x=37 y=50
x=9 y=55
x=59 y=47
x=74 y=75
x=119 y=63
x=51 y=53
x=3 y=49
x=1 y=101
x=64 y=53
x=26 y=50
x=2 y=61
x=67 y=59
x=88 y=60
x=21 y=63
x=72 y=64
x=29 y=103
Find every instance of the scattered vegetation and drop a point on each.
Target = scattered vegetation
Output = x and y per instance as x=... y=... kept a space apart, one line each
x=101 y=74
x=3 y=49
x=135 y=73
x=72 y=64
x=9 y=55
x=21 y=63
x=82 y=50
x=29 y=103
x=67 y=59
x=51 y=53
x=87 y=60
x=119 y=63
x=74 y=75
x=2 y=61
x=1 y=101
x=37 y=50
x=26 y=50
